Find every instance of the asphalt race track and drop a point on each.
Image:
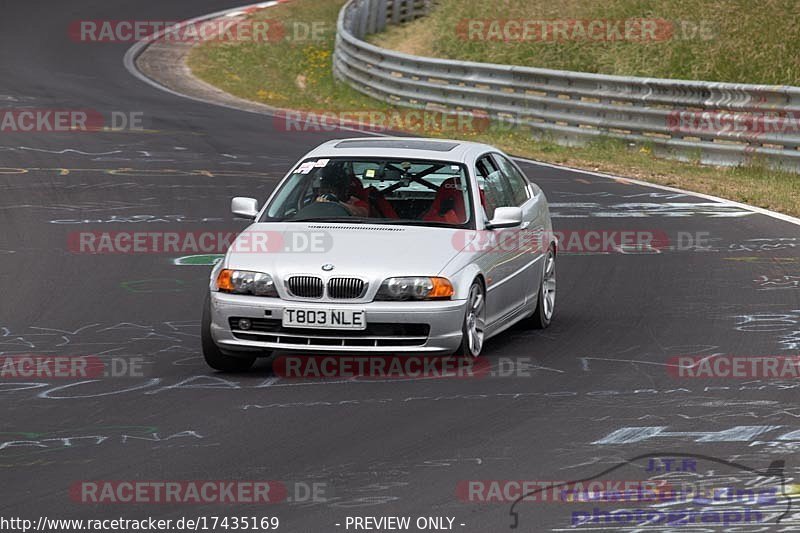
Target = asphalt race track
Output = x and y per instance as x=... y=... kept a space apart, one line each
x=378 y=448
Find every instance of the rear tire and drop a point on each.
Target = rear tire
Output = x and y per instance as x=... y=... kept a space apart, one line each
x=474 y=326
x=211 y=352
x=546 y=301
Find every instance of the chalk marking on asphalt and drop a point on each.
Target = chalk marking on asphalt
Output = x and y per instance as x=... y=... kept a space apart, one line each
x=67 y=150
x=759 y=210
x=211 y=382
x=144 y=173
x=269 y=382
x=637 y=434
x=586 y=359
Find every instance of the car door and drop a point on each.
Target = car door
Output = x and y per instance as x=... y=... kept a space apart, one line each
x=501 y=262
x=531 y=237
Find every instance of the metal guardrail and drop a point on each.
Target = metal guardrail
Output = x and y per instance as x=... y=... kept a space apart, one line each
x=717 y=123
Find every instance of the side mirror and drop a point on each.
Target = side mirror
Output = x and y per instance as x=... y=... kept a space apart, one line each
x=246 y=208
x=506 y=217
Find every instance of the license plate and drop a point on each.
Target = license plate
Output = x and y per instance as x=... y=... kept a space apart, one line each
x=325 y=318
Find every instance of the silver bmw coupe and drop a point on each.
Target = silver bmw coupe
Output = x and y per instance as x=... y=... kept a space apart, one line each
x=384 y=245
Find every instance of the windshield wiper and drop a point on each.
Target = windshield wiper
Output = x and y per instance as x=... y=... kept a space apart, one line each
x=352 y=220
x=423 y=223
x=376 y=221
x=412 y=222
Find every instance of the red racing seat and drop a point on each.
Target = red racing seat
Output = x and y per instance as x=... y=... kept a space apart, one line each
x=448 y=205
x=379 y=206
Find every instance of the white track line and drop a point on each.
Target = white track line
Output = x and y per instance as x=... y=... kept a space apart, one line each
x=134 y=51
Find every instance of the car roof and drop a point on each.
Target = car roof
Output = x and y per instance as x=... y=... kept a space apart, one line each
x=403 y=148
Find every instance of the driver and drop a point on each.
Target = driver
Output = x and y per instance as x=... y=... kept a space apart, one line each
x=335 y=187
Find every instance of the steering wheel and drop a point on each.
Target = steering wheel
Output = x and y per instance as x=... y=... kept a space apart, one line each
x=330 y=197
x=323 y=209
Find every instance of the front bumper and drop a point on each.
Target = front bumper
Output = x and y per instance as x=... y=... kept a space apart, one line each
x=443 y=318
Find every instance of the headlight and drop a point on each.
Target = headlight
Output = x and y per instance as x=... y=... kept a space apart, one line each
x=245 y=282
x=416 y=288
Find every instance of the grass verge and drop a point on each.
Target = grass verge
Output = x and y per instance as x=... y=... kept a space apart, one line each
x=713 y=40
x=296 y=73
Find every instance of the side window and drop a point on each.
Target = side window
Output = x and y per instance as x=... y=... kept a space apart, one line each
x=516 y=181
x=495 y=188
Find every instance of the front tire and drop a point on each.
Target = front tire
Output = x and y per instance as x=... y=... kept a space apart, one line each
x=473 y=328
x=211 y=352
x=546 y=300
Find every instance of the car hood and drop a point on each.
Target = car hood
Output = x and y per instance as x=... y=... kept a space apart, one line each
x=364 y=250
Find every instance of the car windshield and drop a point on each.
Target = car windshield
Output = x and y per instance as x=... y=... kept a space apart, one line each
x=388 y=191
